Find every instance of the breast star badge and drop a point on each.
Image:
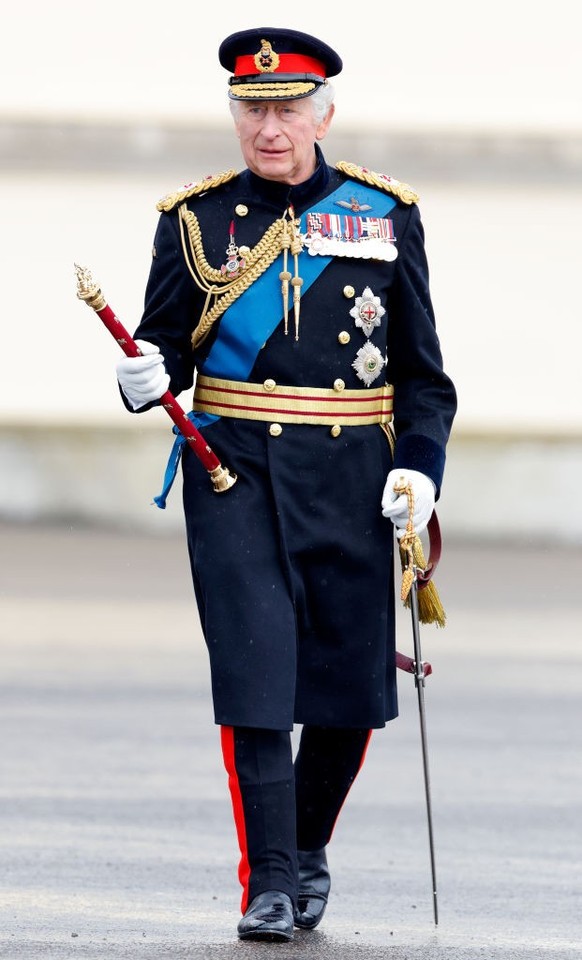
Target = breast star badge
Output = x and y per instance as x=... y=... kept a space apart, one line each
x=368 y=311
x=368 y=363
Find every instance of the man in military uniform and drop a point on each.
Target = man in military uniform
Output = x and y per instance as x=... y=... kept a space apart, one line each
x=295 y=294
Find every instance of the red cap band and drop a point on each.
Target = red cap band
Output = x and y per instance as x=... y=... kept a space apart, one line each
x=288 y=63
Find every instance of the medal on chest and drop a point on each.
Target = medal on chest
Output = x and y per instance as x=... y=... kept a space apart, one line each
x=234 y=262
x=368 y=363
x=341 y=235
x=367 y=313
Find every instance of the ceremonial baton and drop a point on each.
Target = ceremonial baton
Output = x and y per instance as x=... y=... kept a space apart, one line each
x=421 y=669
x=87 y=290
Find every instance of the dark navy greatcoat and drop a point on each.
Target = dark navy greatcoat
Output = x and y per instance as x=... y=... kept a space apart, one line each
x=293 y=567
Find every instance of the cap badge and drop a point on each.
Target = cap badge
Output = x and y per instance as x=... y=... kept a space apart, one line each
x=266 y=60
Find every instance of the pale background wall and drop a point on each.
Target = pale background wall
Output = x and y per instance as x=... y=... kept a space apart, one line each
x=505 y=63
x=105 y=107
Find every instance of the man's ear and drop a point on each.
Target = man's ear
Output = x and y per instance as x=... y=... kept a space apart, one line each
x=325 y=124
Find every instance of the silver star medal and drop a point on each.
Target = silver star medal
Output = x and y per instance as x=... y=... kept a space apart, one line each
x=368 y=311
x=368 y=363
x=314 y=242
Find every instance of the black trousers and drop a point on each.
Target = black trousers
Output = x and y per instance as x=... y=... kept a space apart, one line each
x=281 y=805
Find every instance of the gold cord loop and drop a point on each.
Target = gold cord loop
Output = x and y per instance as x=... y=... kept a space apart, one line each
x=211 y=280
x=282 y=236
x=430 y=608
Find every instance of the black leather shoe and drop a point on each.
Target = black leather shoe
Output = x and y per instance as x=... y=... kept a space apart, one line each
x=314 y=885
x=268 y=917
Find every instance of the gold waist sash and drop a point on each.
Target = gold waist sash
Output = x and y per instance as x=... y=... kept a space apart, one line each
x=272 y=401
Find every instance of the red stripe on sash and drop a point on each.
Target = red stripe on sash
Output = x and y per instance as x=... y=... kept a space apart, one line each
x=277 y=411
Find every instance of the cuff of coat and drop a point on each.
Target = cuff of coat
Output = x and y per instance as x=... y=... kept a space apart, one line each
x=416 y=452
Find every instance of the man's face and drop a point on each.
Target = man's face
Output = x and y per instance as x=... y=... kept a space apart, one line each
x=277 y=138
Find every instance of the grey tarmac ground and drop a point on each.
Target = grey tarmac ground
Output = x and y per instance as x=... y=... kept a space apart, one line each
x=115 y=822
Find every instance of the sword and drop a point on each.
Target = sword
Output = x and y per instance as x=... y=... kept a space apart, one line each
x=420 y=674
x=421 y=669
x=87 y=290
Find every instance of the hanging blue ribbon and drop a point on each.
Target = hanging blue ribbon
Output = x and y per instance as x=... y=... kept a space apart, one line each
x=199 y=420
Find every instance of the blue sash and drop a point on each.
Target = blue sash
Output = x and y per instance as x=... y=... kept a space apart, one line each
x=251 y=319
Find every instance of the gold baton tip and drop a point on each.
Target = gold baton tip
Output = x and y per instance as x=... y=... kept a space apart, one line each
x=222 y=479
x=87 y=289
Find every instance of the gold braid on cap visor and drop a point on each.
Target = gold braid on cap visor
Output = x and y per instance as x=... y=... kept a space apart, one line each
x=248 y=91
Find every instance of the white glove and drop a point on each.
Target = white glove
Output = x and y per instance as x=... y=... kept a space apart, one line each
x=144 y=378
x=395 y=506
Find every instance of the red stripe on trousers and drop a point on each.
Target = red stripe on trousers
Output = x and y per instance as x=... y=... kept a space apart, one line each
x=244 y=870
x=362 y=758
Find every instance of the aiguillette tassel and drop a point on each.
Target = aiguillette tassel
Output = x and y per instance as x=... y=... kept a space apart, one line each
x=285 y=276
x=296 y=282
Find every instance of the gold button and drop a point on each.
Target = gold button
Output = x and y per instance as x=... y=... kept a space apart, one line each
x=336 y=430
x=275 y=429
x=344 y=337
x=269 y=385
x=241 y=210
x=349 y=291
x=338 y=385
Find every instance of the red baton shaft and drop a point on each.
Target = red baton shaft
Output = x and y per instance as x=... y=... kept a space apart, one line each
x=87 y=290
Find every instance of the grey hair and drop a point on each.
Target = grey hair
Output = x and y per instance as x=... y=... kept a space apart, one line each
x=321 y=101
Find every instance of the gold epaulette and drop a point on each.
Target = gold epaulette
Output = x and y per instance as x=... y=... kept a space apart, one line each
x=210 y=182
x=401 y=190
